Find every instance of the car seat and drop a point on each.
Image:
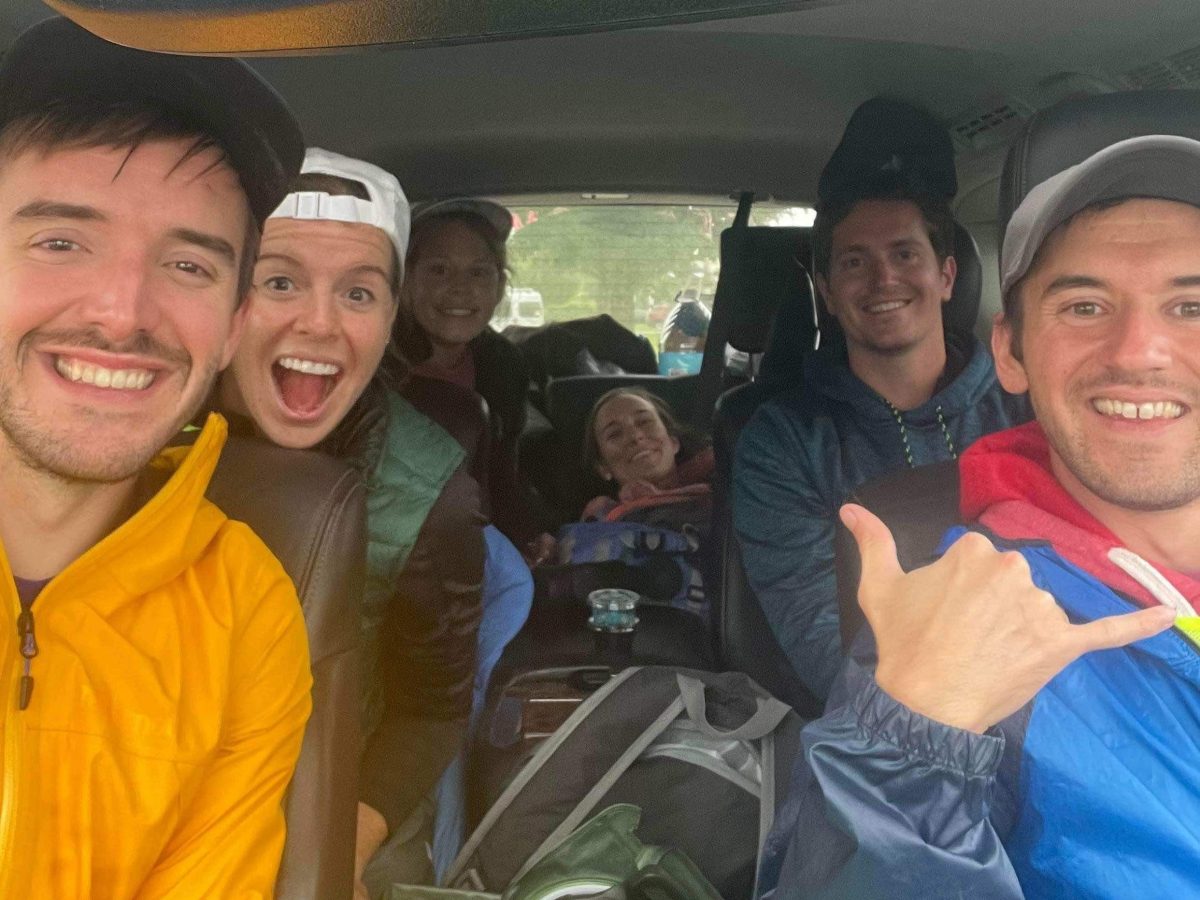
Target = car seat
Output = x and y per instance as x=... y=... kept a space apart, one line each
x=799 y=322
x=462 y=413
x=311 y=513
x=919 y=505
x=556 y=660
x=773 y=314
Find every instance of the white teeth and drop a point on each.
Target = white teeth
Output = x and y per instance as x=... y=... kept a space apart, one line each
x=113 y=379
x=458 y=312
x=308 y=366
x=1160 y=409
x=886 y=307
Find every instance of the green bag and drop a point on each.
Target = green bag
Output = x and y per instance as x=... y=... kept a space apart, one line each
x=602 y=859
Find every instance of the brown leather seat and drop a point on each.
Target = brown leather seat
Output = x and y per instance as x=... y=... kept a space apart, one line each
x=310 y=510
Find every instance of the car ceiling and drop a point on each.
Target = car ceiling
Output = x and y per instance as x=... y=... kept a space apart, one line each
x=716 y=107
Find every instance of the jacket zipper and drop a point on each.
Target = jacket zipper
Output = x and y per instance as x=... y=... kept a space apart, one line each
x=29 y=649
x=11 y=764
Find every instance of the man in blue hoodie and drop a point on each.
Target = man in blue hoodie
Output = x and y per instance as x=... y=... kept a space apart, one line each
x=898 y=392
x=1023 y=725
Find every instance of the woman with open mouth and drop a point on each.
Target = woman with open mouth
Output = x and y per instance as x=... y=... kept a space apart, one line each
x=308 y=374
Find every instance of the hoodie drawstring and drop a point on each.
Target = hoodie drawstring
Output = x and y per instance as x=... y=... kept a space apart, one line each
x=908 y=457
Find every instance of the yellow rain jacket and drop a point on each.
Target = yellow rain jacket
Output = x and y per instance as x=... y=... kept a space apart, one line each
x=170 y=692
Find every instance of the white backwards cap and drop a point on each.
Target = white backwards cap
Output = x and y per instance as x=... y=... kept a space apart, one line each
x=387 y=209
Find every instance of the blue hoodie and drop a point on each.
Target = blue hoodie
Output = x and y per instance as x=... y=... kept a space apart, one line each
x=1089 y=790
x=805 y=451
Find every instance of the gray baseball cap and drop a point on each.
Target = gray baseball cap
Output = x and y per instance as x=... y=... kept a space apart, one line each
x=493 y=213
x=1157 y=165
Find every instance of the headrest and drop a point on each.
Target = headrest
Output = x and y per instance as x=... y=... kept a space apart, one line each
x=1069 y=132
x=771 y=274
x=962 y=309
x=793 y=336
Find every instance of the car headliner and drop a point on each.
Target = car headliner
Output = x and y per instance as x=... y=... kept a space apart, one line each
x=715 y=107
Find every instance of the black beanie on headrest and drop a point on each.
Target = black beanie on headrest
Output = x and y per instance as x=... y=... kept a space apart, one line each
x=885 y=134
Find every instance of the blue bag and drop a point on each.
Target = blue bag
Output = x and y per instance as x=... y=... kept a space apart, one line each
x=640 y=546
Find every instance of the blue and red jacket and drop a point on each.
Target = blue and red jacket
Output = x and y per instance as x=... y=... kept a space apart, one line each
x=1091 y=790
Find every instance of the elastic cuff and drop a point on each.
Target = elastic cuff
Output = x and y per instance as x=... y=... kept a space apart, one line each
x=884 y=718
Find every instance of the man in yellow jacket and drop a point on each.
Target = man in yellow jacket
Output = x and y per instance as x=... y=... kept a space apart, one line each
x=154 y=675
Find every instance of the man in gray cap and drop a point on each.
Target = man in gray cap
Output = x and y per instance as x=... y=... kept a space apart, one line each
x=154 y=674
x=1021 y=719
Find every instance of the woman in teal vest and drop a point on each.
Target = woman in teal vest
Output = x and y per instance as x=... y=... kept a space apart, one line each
x=308 y=374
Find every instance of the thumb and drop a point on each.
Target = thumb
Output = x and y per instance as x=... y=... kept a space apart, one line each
x=1117 y=631
x=875 y=543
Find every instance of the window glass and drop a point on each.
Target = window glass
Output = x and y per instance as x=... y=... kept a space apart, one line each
x=629 y=261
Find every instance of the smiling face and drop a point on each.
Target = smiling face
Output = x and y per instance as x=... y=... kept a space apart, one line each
x=318 y=321
x=1110 y=354
x=118 y=285
x=633 y=443
x=453 y=284
x=886 y=285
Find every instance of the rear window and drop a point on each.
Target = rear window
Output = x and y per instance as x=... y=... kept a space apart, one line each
x=632 y=262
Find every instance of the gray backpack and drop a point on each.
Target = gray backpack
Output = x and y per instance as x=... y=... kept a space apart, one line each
x=705 y=756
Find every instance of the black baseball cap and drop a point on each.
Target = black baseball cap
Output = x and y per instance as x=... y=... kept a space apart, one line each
x=57 y=60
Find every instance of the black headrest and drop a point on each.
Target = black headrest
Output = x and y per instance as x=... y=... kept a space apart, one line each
x=962 y=309
x=793 y=336
x=771 y=275
x=958 y=313
x=1069 y=132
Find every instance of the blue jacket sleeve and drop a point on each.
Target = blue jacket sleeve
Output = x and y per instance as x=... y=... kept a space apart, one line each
x=785 y=530
x=887 y=803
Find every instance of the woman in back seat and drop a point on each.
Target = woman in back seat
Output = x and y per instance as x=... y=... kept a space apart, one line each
x=457 y=267
x=660 y=486
x=633 y=440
